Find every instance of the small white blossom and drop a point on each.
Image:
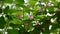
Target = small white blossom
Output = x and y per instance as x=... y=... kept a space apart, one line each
x=5 y=32
x=52 y=20
x=26 y=1
x=51 y=33
x=3 y=7
x=37 y=3
x=31 y=8
x=50 y=27
x=28 y=31
x=1 y=30
x=21 y=8
x=9 y=27
x=48 y=14
x=0 y=15
x=22 y=25
x=42 y=3
x=32 y=29
x=41 y=33
x=47 y=10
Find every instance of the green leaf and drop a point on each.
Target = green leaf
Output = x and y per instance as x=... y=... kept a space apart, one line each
x=6 y=9
x=32 y=2
x=58 y=5
x=8 y=1
x=13 y=31
x=51 y=10
x=54 y=31
x=45 y=0
x=2 y=22
x=11 y=11
x=19 y=2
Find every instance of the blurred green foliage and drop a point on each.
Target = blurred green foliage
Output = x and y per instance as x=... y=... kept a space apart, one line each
x=30 y=16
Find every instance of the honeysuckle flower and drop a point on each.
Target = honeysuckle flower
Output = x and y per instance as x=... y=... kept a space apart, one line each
x=49 y=4
x=36 y=23
x=30 y=16
x=18 y=16
x=56 y=9
x=40 y=9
